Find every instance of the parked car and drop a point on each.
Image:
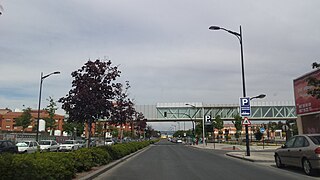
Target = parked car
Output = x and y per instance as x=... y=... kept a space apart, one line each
x=49 y=145
x=300 y=151
x=109 y=142
x=7 y=146
x=69 y=145
x=93 y=143
x=27 y=146
x=81 y=143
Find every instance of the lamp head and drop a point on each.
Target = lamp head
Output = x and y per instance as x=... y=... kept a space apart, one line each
x=214 y=28
x=261 y=96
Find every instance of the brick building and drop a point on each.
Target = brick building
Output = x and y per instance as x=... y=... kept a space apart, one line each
x=8 y=118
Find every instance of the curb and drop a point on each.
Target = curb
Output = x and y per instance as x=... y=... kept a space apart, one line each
x=238 y=157
x=247 y=159
x=109 y=166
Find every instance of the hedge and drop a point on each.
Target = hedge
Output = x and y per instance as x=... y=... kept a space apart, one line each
x=54 y=165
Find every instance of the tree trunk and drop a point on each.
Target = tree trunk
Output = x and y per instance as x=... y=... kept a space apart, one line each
x=89 y=133
x=121 y=133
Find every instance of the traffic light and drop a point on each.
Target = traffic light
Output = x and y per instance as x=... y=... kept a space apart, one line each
x=165 y=114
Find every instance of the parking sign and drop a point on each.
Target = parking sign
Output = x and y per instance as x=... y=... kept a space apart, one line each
x=245 y=108
x=207 y=120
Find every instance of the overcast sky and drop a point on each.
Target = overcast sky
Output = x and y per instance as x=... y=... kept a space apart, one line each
x=164 y=47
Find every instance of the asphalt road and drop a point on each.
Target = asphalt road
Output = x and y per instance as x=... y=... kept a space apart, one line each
x=166 y=160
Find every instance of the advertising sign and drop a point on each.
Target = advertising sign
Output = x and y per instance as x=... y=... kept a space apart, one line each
x=305 y=103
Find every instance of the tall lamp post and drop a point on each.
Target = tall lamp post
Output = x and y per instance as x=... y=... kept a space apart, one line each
x=239 y=36
x=193 y=134
x=41 y=80
x=203 y=135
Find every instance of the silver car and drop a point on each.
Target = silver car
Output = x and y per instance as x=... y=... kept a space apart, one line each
x=49 y=145
x=300 y=151
x=69 y=145
x=27 y=146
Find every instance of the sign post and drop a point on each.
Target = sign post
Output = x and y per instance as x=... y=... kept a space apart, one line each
x=262 y=131
x=245 y=111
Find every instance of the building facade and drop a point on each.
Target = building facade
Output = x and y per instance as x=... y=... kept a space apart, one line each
x=8 y=121
x=307 y=106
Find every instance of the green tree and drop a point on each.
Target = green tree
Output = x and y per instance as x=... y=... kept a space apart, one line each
x=99 y=129
x=272 y=126
x=198 y=129
x=238 y=125
x=90 y=98
x=218 y=124
x=148 y=131
x=51 y=109
x=73 y=128
x=114 y=131
x=25 y=119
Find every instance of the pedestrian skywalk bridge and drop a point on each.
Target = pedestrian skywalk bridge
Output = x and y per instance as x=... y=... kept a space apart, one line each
x=196 y=111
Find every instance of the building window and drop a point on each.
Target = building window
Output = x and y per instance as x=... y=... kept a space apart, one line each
x=8 y=120
x=8 y=127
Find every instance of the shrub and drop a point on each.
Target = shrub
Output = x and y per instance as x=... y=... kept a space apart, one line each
x=100 y=156
x=6 y=166
x=83 y=159
x=43 y=166
x=53 y=165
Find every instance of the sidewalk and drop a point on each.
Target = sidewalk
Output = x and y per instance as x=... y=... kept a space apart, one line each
x=257 y=153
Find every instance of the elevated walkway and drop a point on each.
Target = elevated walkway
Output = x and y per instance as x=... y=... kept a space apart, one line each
x=168 y=112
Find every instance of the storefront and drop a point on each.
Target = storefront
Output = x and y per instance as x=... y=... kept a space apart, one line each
x=307 y=106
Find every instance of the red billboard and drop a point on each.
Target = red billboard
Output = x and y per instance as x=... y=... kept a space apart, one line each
x=305 y=103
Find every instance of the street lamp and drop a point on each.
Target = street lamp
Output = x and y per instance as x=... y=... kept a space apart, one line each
x=41 y=80
x=191 y=118
x=239 y=36
x=174 y=127
x=203 y=135
x=258 y=97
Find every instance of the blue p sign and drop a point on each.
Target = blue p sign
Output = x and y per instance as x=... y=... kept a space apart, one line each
x=245 y=101
x=245 y=109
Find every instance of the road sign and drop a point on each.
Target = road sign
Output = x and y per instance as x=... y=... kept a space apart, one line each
x=262 y=130
x=246 y=121
x=245 y=108
x=207 y=120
